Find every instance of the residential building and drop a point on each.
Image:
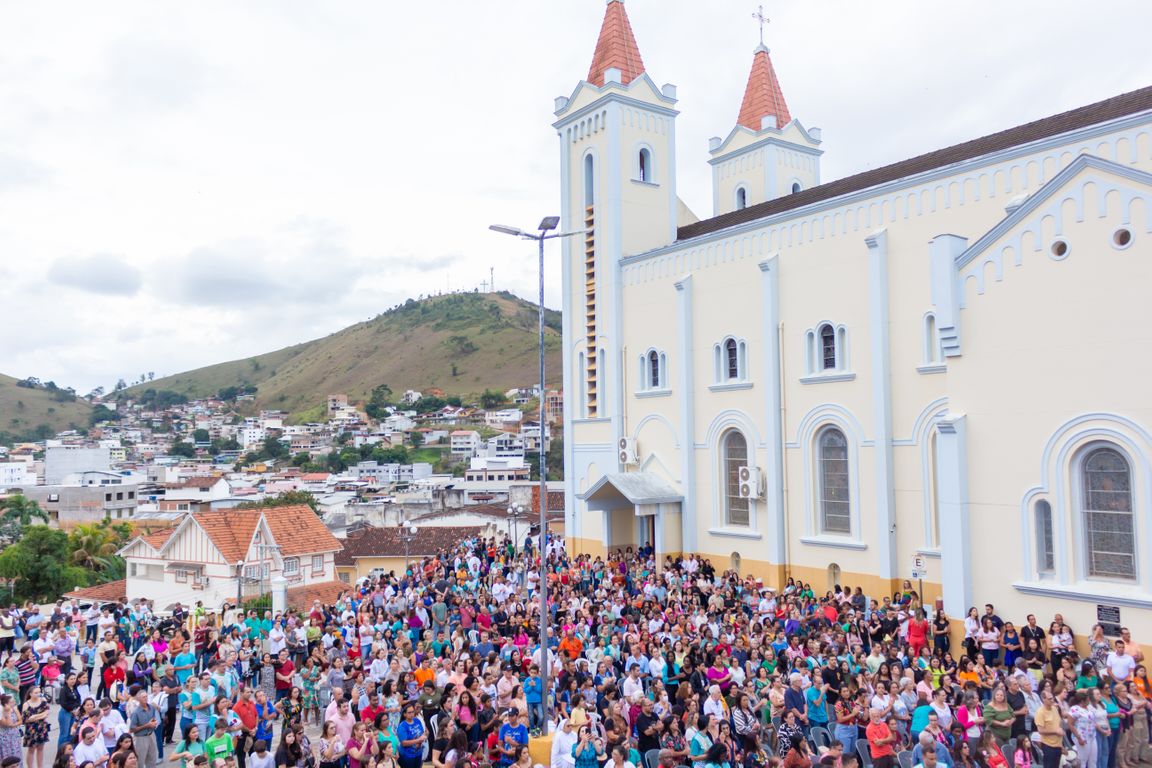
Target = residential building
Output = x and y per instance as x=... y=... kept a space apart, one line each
x=372 y=551
x=488 y=469
x=16 y=474
x=71 y=505
x=463 y=443
x=503 y=417
x=505 y=446
x=213 y=556
x=832 y=382
x=63 y=460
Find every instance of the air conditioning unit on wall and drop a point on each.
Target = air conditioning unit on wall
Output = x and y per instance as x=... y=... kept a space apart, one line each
x=627 y=446
x=751 y=486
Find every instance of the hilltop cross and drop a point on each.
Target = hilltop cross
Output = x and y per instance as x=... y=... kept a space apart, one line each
x=762 y=20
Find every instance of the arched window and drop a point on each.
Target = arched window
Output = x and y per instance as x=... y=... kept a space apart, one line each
x=1045 y=551
x=827 y=347
x=832 y=462
x=741 y=198
x=589 y=186
x=731 y=359
x=795 y=187
x=734 y=558
x=644 y=165
x=1106 y=498
x=734 y=450
x=654 y=378
x=833 y=576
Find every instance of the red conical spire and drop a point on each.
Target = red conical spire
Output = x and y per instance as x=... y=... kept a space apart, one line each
x=763 y=96
x=616 y=47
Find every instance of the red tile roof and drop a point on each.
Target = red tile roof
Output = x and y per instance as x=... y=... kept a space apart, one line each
x=199 y=482
x=111 y=592
x=230 y=530
x=555 y=500
x=388 y=542
x=158 y=539
x=299 y=531
x=616 y=47
x=1102 y=111
x=314 y=477
x=762 y=95
x=327 y=592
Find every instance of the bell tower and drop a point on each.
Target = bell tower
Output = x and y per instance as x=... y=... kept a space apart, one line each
x=618 y=182
x=768 y=154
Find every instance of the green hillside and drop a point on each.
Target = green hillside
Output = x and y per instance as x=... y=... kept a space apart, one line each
x=460 y=343
x=36 y=413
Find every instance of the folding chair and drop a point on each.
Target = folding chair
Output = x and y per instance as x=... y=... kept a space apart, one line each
x=865 y=753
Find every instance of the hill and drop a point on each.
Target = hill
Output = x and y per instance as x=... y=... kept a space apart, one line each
x=34 y=413
x=460 y=343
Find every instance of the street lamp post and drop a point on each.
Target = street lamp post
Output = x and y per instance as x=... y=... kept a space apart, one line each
x=515 y=512
x=546 y=231
x=408 y=533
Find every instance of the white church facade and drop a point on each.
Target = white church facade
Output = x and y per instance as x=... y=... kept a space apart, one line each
x=944 y=357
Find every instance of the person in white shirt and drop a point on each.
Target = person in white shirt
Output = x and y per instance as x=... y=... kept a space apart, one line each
x=112 y=724
x=632 y=684
x=90 y=749
x=619 y=759
x=562 y=743
x=1120 y=664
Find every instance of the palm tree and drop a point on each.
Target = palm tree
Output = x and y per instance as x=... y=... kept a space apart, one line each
x=92 y=546
x=21 y=510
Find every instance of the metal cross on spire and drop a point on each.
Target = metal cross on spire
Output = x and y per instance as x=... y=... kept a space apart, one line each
x=762 y=19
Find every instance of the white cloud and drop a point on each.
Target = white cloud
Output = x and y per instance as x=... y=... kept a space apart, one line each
x=272 y=171
x=107 y=274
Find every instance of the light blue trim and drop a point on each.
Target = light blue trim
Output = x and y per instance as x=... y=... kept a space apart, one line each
x=813 y=423
x=653 y=393
x=1045 y=193
x=828 y=412
x=1057 y=461
x=905 y=182
x=1086 y=591
x=833 y=542
x=597 y=420
x=651 y=184
x=594 y=447
x=572 y=520
x=881 y=376
x=736 y=533
x=733 y=385
x=610 y=92
x=732 y=418
x=952 y=476
x=925 y=370
x=636 y=149
x=609 y=261
x=774 y=508
x=768 y=141
x=685 y=325
x=772 y=138
x=943 y=251
x=929 y=552
x=659 y=418
x=827 y=378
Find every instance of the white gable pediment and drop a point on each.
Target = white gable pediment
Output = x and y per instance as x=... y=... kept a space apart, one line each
x=1088 y=188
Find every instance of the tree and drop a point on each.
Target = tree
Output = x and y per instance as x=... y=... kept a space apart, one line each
x=416 y=438
x=201 y=435
x=273 y=448
x=378 y=401
x=92 y=546
x=181 y=448
x=39 y=565
x=21 y=510
x=286 y=499
x=490 y=399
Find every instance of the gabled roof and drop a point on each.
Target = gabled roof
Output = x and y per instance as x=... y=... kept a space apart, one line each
x=200 y=482
x=111 y=592
x=616 y=47
x=636 y=487
x=231 y=530
x=1102 y=111
x=298 y=531
x=1045 y=193
x=762 y=95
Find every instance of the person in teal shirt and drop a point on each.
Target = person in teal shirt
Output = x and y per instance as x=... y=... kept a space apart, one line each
x=184 y=664
x=817 y=697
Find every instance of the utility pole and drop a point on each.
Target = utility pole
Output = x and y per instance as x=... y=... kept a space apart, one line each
x=492 y=278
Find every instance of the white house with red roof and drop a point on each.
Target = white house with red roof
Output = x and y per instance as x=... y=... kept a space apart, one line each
x=208 y=556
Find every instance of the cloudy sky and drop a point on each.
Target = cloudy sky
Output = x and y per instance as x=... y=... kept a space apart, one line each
x=184 y=183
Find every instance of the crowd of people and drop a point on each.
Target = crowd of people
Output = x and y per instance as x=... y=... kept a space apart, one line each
x=681 y=665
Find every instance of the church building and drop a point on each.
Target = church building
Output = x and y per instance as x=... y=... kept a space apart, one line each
x=932 y=365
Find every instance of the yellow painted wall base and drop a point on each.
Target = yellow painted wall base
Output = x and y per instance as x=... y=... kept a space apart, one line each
x=540 y=748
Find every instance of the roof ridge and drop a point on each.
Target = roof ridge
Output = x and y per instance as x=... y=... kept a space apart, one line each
x=1112 y=108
